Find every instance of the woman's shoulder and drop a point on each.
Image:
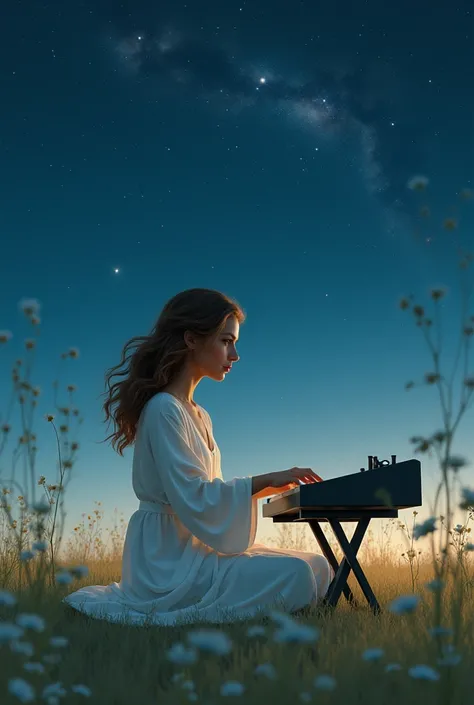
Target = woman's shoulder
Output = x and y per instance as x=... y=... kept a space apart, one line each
x=163 y=403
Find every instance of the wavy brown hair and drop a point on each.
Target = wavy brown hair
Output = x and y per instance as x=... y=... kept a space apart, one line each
x=152 y=361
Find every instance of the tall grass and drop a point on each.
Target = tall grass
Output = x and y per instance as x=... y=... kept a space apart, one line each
x=420 y=648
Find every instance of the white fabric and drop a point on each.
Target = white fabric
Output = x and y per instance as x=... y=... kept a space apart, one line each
x=190 y=551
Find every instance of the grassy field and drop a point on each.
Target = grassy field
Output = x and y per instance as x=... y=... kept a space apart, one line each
x=125 y=664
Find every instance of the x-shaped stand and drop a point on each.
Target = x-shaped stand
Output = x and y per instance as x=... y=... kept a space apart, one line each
x=349 y=562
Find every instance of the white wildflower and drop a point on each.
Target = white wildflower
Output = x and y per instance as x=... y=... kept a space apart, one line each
x=422 y=672
x=79 y=571
x=22 y=690
x=59 y=642
x=33 y=667
x=29 y=306
x=52 y=658
x=7 y=599
x=176 y=677
x=426 y=527
x=435 y=585
x=469 y=546
x=187 y=685
x=9 y=632
x=5 y=336
x=31 y=621
x=22 y=647
x=418 y=183
x=42 y=506
x=179 y=654
x=324 y=682
x=81 y=690
x=64 y=577
x=26 y=556
x=404 y=604
x=266 y=669
x=373 y=654
x=305 y=697
x=54 y=689
x=440 y=631
x=232 y=688
x=467 y=500
x=390 y=667
x=40 y=546
x=212 y=640
x=256 y=630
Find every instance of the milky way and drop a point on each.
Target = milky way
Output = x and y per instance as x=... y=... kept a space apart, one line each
x=345 y=105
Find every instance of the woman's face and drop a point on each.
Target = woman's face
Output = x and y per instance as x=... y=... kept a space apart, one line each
x=216 y=355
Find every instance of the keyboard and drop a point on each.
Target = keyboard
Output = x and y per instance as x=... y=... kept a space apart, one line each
x=381 y=490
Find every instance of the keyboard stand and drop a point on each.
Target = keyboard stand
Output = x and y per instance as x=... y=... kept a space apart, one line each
x=349 y=549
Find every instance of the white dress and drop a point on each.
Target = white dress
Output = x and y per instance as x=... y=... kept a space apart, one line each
x=189 y=552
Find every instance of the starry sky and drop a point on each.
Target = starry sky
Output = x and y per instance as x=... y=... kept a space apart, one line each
x=260 y=148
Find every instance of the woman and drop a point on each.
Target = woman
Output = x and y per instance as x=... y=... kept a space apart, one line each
x=189 y=551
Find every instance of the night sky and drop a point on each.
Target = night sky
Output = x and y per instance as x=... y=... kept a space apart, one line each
x=260 y=148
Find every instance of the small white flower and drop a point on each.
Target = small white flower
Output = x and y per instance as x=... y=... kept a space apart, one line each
x=64 y=578
x=426 y=527
x=469 y=546
x=435 y=585
x=404 y=604
x=439 y=631
x=34 y=667
x=81 y=690
x=31 y=621
x=179 y=654
x=390 y=667
x=59 y=642
x=459 y=528
x=256 y=630
x=232 y=688
x=22 y=690
x=324 y=682
x=296 y=634
x=187 y=685
x=52 y=658
x=7 y=599
x=26 y=556
x=467 y=500
x=373 y=654
x=40 y=546
x=29 y=306
x=5 y=336
x=176 y=677
x=422 y=672
x=305 y=697
x=54 y=689
x=266 y=669
x=79 y=571
x=418 y=183
x=22 y=647
x=211 y=640
x=9 y=632
x=42 y=506
x=450 y=659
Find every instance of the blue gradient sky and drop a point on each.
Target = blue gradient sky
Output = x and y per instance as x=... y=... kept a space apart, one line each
x=145 y=141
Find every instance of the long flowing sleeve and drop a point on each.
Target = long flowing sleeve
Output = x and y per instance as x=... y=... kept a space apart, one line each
x=221 y=514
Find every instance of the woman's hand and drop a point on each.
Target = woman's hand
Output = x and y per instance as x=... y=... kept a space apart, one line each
x=277 y=482
x=288 y=479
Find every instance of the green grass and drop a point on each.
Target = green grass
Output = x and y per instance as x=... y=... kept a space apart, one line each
x=126 y=664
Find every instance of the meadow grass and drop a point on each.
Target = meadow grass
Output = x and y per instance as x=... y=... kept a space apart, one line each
x=418 y=649
x=128 y=664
